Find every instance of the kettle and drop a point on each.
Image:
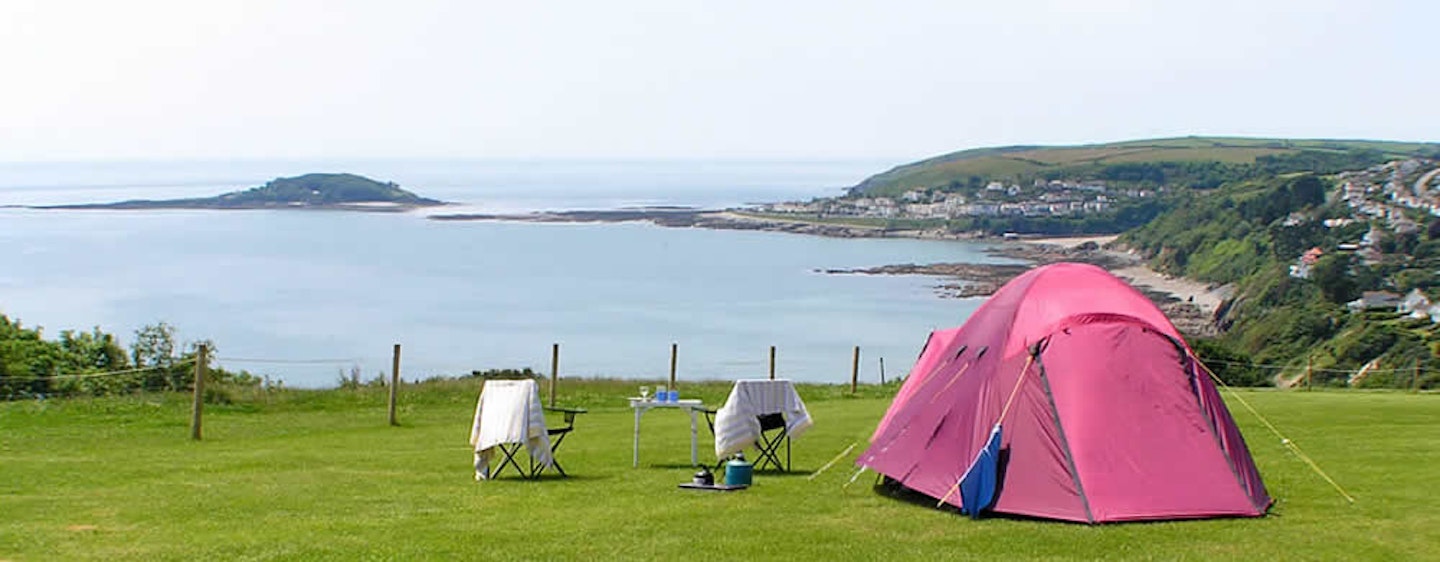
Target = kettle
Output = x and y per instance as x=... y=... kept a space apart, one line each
x=738 y=472
x=704 y=477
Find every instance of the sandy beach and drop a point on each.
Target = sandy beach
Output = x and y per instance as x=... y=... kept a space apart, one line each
x=1202 y=295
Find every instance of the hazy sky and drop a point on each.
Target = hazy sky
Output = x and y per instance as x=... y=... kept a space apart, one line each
x=145 y=79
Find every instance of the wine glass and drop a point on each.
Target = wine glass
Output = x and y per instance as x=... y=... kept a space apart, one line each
x=645 y=394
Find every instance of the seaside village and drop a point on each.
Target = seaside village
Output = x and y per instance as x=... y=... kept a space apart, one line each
x=1042 y=198
x=1386 y=197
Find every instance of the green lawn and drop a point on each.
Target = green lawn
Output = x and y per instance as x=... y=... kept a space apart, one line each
x=320 y=475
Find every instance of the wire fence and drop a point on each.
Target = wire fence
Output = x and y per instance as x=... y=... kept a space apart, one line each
x=352 y=361
x=1317 y=369
x=287 y=361
x=62 y=376
x=177 y=375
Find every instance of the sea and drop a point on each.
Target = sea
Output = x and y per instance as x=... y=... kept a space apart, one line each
x=308 y=298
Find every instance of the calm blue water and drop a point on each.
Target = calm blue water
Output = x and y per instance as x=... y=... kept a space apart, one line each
x=339 y=289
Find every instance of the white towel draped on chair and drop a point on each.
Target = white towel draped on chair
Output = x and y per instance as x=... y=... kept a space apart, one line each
x=509 y=411
x=736 y=426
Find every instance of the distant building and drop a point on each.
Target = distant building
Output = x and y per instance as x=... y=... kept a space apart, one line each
x=1415 y=304
x=1370 y=256
x=1374 y=300
x=1301 y=267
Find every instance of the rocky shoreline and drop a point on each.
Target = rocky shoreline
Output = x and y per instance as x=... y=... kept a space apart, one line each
x=962 y=280
x=968 y=280
x=683 y=217
x=981 y=279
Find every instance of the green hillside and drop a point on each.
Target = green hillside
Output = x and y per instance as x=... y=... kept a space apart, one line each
x=325 y=189
x=1367 y=232
x=1182 y=158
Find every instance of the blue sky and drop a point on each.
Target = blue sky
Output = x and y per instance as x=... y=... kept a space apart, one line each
x=675 y=79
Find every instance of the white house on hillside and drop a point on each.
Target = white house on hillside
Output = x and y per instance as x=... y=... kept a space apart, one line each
x=1374 y=300
x=1416 y=304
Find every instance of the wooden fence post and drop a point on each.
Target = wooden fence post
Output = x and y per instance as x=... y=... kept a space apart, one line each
x=394 y=383
x=199 y=406
x=674 y=351
x=1309 y=365
x=882 y=370
x=855 y=371
x=772 y=362
x=554 y=371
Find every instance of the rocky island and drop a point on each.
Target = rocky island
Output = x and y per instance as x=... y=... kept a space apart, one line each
x=310 y=191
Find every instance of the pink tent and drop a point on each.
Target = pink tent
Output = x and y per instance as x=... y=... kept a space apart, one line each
x=1107 y=415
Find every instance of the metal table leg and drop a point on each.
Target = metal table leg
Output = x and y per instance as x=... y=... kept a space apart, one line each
x=638 y=411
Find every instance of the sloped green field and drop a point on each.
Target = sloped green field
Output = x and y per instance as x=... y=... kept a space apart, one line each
x=320 y=475
x=1011 y=162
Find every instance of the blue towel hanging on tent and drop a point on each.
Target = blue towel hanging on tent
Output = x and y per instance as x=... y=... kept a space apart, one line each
x=977 y=486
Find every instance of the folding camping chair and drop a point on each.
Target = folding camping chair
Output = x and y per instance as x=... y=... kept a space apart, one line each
x=763 y=414
x=772 y=433
x=508 y=416
x=557 y=436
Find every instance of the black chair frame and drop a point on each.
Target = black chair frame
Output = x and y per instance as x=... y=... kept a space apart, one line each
x=773 y=432
x=508 y=451
x=767 y=444
x=557 y=436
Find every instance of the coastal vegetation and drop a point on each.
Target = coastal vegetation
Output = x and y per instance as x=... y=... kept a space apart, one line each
x=94 y=363
x=1304 y=319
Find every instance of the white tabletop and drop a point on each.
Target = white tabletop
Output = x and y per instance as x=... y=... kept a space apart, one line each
x=636 y=401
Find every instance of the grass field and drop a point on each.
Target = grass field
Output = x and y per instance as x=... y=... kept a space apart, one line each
x=320 y=475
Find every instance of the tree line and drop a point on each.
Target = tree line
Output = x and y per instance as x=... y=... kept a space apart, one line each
x=94 y=363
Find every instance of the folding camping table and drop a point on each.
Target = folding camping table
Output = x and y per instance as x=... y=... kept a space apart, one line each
x=690 y=406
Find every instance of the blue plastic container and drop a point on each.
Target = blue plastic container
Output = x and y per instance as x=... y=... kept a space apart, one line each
x=738 y=472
